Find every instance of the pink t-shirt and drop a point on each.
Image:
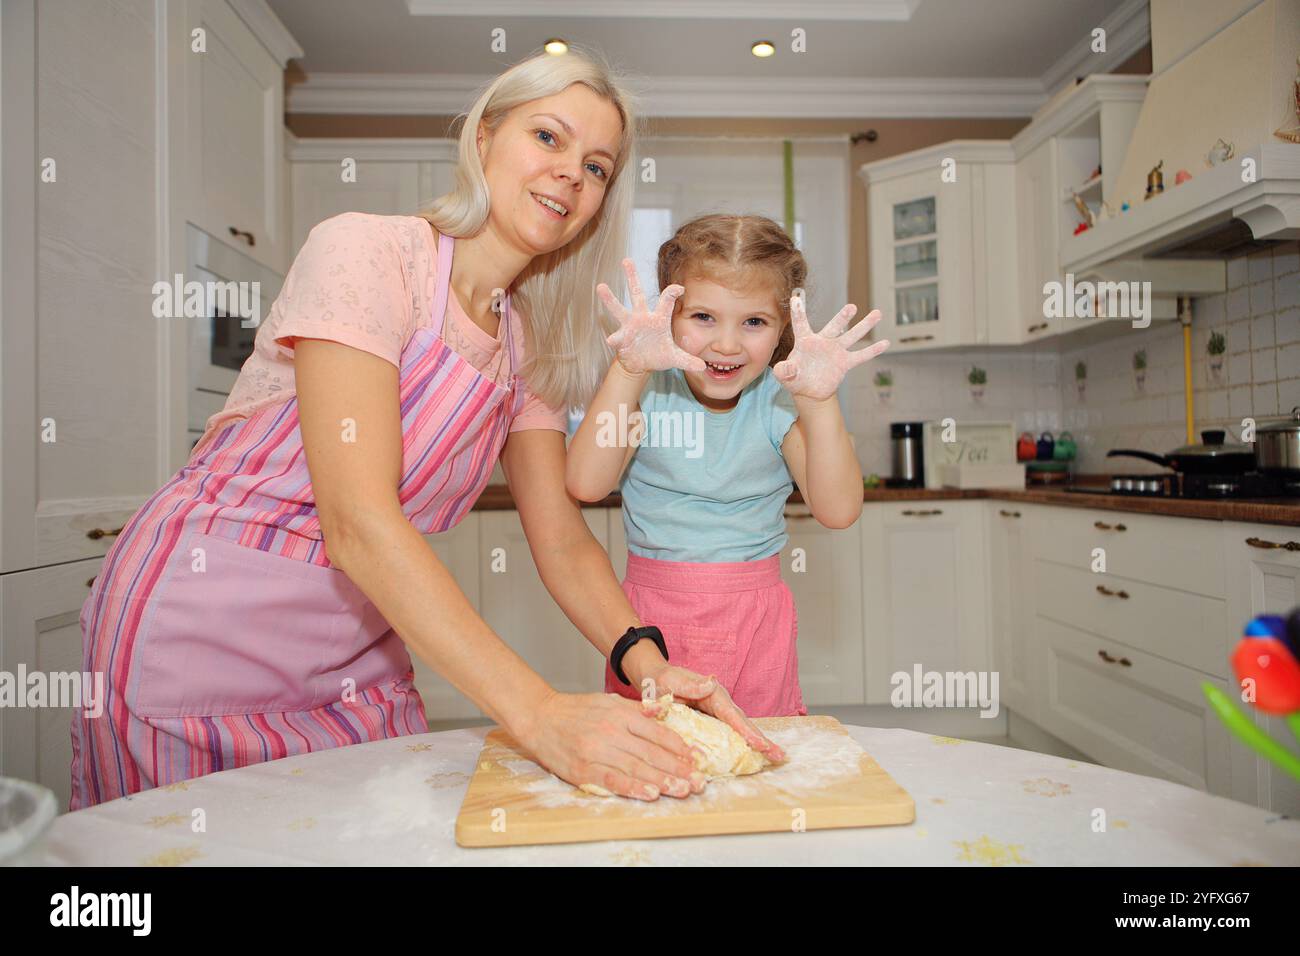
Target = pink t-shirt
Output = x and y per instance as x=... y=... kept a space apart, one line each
x=368 y=281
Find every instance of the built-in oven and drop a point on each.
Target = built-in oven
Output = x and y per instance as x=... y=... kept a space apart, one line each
x=236 y=293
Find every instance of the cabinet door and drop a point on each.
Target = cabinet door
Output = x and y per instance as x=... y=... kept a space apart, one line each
x=823 y=569
x=1264 y=578
x=233 y=128
x=1007 y=530
x=381 y=188
x=79 y=437
x=1037 y=203
x=40 y=632
x=518 y=607
x=920 y=242
x=925 y=592
x=457 y=549
x=1132 y=710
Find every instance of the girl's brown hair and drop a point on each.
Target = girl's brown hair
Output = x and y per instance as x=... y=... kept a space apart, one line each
x=739 y=251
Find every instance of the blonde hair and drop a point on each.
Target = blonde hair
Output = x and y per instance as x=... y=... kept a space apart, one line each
x=743 y=251
x=555 y=292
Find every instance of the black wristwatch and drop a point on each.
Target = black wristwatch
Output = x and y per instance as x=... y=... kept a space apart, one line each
x=625 y=643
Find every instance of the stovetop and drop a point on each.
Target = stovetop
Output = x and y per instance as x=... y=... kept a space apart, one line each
x=1252 y=484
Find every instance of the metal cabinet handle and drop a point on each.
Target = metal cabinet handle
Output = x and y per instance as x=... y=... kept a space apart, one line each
x=1106 y=527
x=1285 y=545
x=1114 y=660
x=241 y=234
x=1037 y=328
x=915 y=338
x=924 y=512
x=1008 y=514
x=96 y=533
x=90 y=582
x=1102 y=589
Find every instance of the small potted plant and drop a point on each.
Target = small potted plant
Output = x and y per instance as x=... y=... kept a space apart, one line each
x=884 y=385
x=1214 y=349
x=977 y=378
x=1081 y=377
x=1140 y=368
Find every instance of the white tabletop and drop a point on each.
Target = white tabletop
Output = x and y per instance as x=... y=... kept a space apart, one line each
x=395 y=802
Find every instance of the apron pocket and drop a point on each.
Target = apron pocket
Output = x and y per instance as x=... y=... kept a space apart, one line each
x=235 y=630
x=705 y=650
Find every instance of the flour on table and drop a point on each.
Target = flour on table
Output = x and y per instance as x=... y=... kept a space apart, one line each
x=725 y=752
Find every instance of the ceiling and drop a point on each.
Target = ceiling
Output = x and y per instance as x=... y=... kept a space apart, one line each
x=1018 y=50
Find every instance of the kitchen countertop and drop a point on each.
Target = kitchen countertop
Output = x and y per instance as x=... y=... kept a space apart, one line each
x=1281 y=511
x=395 y=801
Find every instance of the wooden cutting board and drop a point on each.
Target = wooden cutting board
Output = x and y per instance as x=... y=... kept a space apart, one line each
x=828 y=782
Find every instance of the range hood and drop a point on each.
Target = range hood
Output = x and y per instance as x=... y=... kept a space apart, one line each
x=1220 y=71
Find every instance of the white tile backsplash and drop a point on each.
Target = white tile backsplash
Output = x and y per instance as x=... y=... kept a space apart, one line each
x=1035 y=388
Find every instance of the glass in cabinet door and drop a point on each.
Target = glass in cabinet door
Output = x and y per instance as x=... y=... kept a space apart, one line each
x=913 y=218
x=916 y=260
x=915 y=304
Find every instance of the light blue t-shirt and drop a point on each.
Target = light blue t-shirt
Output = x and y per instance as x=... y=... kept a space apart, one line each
x=707 y=486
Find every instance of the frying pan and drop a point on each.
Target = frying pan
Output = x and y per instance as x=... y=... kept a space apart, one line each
x=1214 y=457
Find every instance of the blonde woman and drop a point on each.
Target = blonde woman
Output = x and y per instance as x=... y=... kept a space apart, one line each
x=263 y=602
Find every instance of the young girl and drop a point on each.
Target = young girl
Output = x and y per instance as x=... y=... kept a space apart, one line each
x=736 y=396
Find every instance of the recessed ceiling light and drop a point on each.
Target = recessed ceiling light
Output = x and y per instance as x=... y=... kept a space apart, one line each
x=763 y=48
x=556 y=47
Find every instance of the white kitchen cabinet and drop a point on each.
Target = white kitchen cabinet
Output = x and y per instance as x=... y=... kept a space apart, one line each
x=1010 y=605
x=79 y=433
x=40 y=630
x=942 y=243
x=228 y=122
x=823 y=569
x=457 y=549
x=1264 y=578
x=1037 y=214
x=1132 y=710
x=516 y=604
x=925 y=590
x=385 y=177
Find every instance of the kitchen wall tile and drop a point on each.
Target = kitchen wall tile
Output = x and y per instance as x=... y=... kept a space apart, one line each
x=1260 y=266
x=1263 y=365
x=1285 y=260
x=1286 y=291
x=1239 y=369
x=1238 y=306
x=1261 y=298
x=1288 y=326
x=1288 y=394
x=1238 y=272
x=1263 y=331
x=1288 y=361
x=1263 y=399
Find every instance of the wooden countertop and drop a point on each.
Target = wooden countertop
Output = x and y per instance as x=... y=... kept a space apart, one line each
x=1283 y=511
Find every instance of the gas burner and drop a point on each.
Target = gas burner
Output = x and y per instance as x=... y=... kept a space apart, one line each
x=1251 y=484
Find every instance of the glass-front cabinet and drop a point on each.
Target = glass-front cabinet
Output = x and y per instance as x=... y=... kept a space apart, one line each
x=940 y=240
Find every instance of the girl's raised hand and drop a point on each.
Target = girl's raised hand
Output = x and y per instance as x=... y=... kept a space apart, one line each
x=819 y=360
x=644 y=341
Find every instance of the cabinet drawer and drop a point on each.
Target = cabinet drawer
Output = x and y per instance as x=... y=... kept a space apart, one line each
x=1147 y=717
x=1183 y=553
x=1187 y=629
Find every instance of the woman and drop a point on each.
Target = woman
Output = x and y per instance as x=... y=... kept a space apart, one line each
x=262 y=602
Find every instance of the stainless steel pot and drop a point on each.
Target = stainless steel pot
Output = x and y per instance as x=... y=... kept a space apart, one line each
x=1277 y=444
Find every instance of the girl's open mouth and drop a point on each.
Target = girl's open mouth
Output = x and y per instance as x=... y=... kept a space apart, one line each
x=720 y=372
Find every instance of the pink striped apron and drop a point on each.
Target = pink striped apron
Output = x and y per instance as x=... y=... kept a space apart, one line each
x=225 y=635
x=733 y=620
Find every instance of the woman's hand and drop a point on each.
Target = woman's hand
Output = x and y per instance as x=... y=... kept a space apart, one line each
x=613 y=742
x=705 y=694
x=644 y=342
x=819 y=360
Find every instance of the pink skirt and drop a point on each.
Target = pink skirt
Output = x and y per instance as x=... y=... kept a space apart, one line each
x=735 y=621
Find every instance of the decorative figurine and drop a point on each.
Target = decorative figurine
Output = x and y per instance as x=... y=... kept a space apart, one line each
x=1220 y=152
x=1155 y=181
x=1181 y=177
